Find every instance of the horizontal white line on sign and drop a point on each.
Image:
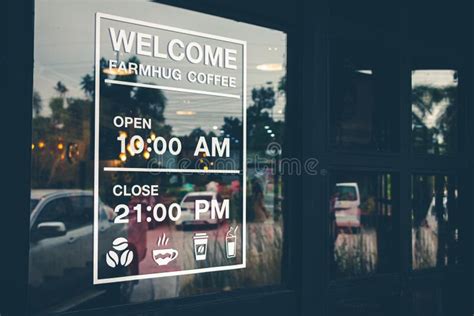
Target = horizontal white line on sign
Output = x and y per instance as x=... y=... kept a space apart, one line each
x=168 y=274
x=126 y=169
x=154 y=86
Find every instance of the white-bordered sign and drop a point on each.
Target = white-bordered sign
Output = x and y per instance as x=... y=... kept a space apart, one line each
x=119 y=254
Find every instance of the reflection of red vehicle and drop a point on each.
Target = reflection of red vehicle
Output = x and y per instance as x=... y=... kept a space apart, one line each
x=348 y=217
x=346 y=204
x=137 y=231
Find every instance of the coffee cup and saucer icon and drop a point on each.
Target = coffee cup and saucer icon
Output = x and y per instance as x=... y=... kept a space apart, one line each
x=163 y=256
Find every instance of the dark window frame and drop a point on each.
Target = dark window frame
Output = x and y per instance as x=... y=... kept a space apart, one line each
x=403 y=163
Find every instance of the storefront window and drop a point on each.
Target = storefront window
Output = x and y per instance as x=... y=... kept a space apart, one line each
x=434 y=124
x=362 y=224
x=435 y=221
x=79 y=237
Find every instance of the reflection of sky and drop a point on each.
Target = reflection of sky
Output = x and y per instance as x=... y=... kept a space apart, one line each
x=441 y=78
x=64 y=49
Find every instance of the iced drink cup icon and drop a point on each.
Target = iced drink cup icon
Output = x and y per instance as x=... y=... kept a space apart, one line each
x=231 y=242
x=200 y=246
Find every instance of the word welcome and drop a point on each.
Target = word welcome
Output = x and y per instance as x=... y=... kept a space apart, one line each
x=176 y=50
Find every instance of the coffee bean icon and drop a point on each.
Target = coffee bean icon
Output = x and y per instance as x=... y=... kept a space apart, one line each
x=120 y=244
x=126 y=258
x=112 y=259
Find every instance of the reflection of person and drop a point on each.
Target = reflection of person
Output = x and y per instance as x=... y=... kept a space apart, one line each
x=236 y=200
x=137 y=231
x=333 y=230
x=258 y=206
x=332 y=215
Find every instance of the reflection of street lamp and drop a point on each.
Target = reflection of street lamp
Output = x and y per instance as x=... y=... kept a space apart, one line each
x=185 y=113
x=116 y=71
x=129 y=149
x=270 y=67
x=123 y=157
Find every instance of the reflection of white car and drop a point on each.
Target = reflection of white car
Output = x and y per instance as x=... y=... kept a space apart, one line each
x=188 y=205
x=346 y=205
x=61 y=239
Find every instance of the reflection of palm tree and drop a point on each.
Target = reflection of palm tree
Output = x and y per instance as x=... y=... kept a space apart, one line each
x=433 y=117
x=259 y=120
x=87 y=85
x=61 y=89
x=37 y=103
x=126 y=101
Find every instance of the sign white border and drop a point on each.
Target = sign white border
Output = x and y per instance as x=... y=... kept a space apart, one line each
x=96 y=258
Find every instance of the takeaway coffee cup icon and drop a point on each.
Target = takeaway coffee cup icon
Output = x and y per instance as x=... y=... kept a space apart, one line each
x=200 y=246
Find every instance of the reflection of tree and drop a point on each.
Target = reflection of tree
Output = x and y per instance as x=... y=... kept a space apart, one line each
x=61 y=89
x=434 y=118
x=52 y=135
x=259 y=119
x=190 y=141
x=232 y=127
x=435 y=240
x=117 y=100
x=262 y=129
x=71 y=120
x=37 y=104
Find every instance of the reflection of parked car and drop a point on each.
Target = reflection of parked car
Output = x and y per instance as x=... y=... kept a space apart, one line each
x=187 y=209
x=61 y=251
x=346 y=205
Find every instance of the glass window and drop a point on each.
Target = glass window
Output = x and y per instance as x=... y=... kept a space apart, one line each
x=363 y=110
x=434 y=96
x=435 y=221
x=63 y=159
x=362 y=224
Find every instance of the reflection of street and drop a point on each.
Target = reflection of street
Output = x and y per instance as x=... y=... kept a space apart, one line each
x=263 y=262
x=425 y=247
x=183 y=240
x=356 y=253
